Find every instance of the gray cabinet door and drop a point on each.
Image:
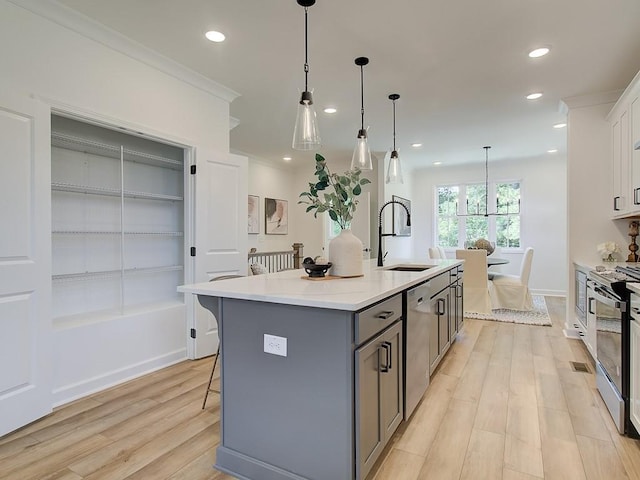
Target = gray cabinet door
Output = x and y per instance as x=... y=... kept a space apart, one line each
x=434 y=350
x=391 y=402
x=379 y=404
x=443 y=321
x=369 y=432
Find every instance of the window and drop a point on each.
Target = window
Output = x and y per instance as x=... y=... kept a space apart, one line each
x=454 y=231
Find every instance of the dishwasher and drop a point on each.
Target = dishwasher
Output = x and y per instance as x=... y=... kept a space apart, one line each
x=416 y=335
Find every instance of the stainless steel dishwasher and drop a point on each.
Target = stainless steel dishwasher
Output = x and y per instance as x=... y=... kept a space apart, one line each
x=418 y=308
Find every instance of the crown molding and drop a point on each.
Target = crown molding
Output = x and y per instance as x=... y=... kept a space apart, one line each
x=589 y=100
x=89 y=28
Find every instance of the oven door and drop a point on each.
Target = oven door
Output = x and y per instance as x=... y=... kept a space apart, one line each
x=608 y=309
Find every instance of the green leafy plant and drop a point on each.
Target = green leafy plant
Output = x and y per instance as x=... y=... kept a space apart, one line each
x=339 y=201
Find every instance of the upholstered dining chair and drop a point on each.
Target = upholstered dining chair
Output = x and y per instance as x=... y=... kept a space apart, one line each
x=512 y=291
x=475 y=281
x=215 y=361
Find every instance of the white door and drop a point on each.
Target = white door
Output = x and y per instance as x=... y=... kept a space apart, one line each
x=25 y=270
x=220 y=223
x=361 y=223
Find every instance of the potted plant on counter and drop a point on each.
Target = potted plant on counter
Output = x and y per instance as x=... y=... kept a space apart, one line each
x=337 y=195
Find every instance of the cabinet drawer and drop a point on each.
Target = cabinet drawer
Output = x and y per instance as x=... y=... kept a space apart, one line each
x=439 y=283
x=377 y=318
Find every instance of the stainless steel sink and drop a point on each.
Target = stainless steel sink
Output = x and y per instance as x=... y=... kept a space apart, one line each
x=409 y=268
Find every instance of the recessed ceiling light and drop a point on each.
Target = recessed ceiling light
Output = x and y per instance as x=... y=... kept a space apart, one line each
x=560 y=125
x=330 y=110
x=215 y=36
x=416 y=145
x=553 y=150
x=437 y=163
x=286 y=159
x=539 y=52
x=534 y=96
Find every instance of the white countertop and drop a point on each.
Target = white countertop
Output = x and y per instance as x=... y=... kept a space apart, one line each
x=634 y=287
x=338 y=294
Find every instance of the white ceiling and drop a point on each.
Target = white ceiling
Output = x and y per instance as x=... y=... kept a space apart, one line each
x=460 y=67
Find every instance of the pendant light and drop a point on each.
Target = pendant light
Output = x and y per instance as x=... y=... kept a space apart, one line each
x=486 y=212
x=362 y=155
x=305 y=133
x=394 y=171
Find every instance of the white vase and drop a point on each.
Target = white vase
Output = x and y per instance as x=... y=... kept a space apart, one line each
x=345 y=254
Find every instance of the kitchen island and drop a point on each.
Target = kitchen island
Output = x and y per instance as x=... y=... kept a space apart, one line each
x=311 y=377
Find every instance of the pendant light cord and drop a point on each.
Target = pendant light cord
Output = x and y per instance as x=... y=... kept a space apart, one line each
x=486 y=181
x=362 y=97
x=394 y=125
x=306 y=56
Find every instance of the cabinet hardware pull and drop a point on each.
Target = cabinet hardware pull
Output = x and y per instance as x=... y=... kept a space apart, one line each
x=615 y=203
x=384 y=368
x=438 y=311
x=589 y=306
x=385 y=315
x=390 y=354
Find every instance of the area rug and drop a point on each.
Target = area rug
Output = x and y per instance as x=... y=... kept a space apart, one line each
x=538 y=316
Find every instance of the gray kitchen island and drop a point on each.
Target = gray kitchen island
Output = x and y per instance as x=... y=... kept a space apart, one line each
x=312 y=370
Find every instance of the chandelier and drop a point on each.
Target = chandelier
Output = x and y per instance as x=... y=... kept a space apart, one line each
x=486 y=212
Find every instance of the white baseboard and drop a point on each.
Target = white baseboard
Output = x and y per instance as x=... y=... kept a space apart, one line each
x=68 y=393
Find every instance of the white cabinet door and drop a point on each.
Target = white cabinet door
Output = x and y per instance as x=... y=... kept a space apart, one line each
x=634 y=393
x=25 y=249
x=220 y=224
x=619 y=139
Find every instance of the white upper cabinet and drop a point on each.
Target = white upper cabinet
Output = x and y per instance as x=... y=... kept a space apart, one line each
x=625 y=161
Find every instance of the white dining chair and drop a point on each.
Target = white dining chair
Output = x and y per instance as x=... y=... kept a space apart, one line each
x=437 y=253
x=475 y=282
x=512 y=291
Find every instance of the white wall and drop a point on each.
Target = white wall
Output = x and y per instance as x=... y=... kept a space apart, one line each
x=544 y=216
x=286 y=181
x=66 y=68
x=589 y=186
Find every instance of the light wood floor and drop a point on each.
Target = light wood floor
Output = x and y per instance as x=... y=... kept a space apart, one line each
x=504 y=404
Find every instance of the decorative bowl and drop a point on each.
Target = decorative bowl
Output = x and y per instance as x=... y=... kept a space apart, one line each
x=485 y=244
x=316 y=270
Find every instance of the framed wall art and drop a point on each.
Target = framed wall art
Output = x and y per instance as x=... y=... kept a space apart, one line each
x=254 y=214
x=276 y=216
x=399 y=217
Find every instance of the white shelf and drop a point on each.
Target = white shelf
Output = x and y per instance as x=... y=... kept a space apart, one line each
x=77 y=144
x=115 y=244
x=114 y=273
x=110 y=192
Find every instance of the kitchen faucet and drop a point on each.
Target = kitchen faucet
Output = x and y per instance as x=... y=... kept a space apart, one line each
x=380 y=234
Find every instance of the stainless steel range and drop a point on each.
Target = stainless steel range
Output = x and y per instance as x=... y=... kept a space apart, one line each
x=607 y=308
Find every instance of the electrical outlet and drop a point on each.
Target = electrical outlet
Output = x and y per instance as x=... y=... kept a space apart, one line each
x=275 y=345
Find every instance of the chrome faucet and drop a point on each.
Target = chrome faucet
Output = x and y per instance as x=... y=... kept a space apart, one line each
x=380 y=234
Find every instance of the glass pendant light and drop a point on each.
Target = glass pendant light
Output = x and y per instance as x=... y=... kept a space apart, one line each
x=305 y=133
x=362 y=155
x=394 y=171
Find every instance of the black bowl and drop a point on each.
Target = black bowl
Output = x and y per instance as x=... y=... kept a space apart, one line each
x=316 y=270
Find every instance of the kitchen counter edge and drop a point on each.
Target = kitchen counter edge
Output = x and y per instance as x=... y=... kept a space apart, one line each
x=350 y=294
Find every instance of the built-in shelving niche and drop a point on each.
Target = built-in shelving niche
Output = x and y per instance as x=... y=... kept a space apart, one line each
x=117 y=221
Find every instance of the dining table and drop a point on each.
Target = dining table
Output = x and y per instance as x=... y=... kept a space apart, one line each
x=491 y=261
